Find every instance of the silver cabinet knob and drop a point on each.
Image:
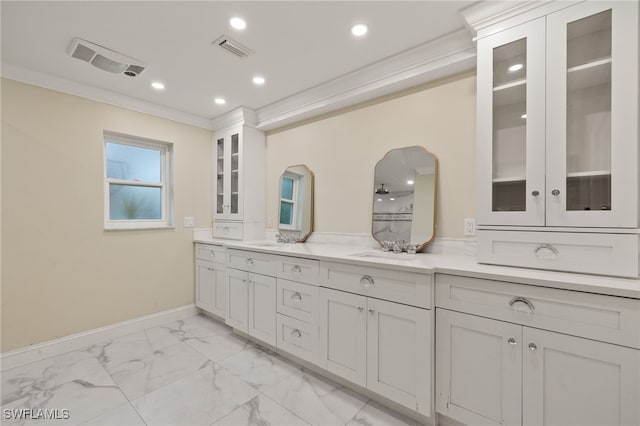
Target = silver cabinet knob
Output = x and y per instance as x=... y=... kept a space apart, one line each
x=360 y=309
x=367 y=281
x=512 y=341
x=535 y=193
x=296 y=297
x=249 y=261
x=532 y=347
x=296 y=333
x=244 y=281
x=555 y=192
x=371 y=312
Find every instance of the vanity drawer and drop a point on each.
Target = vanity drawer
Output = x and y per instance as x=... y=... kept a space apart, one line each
x=606 y=318
x=297 y=300
x=297 y=269
x=259 y=263
x=210 y=253
x=228 y=230
x=409 y=288
x=297 y=337
x=604 y=254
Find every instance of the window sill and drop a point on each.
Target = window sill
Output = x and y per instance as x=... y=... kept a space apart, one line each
x=109 y=228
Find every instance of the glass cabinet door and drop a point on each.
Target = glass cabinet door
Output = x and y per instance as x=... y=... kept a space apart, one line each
x=235 y=176
x=592 y=93
x=511 y=126
x=220 y=176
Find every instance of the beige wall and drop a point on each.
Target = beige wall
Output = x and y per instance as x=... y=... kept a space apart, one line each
x=342 y=151
x=61 y=272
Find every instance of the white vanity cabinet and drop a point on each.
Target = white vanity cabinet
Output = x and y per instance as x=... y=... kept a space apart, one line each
x=211 y=277
x=379 y=344
x=504 y=355
x=239 y=168
x=251 y=296
x=558 y=139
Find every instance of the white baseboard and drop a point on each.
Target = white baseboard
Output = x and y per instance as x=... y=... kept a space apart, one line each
x=81 y=340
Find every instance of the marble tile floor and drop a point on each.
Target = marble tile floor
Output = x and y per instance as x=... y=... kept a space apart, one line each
x=189 y=372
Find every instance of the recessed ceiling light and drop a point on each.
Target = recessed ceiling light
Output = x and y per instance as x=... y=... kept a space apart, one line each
x=238 y=23
x=523 y=116
x=157 y=85
x=258 y=80
x=359 y=30
x=392 y=199
x=516 y=67
x=409 y=182
x=220 y=101
x=379 y=199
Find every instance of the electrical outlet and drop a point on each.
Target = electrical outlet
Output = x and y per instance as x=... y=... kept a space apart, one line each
x=470 y=227
x=189 y=222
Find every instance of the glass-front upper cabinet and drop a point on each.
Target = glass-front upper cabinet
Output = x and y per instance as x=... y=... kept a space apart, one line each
x=228 y=176
x=511 y=70
x=558 y=119
x=592 y=115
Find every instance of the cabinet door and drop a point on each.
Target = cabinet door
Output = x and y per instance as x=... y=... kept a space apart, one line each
x=574 y=381
x=228 y=175
x=343 y=327
x=592 y=115
x=237 y=315
x=399 y=353
x=205 y=285
x=262 y=308
x=478 y=369
x=510 y=120
x=219 y=306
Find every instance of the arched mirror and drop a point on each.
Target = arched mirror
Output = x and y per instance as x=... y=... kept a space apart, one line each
x=295 y=205
x=404 y=197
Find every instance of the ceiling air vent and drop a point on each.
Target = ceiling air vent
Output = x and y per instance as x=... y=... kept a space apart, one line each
x=105 y=59
x=233 y=46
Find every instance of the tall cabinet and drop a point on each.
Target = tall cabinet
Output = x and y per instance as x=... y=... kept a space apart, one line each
x=557 y=143
x=238 y=178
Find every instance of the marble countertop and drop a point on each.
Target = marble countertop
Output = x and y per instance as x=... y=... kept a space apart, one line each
x=455 y=264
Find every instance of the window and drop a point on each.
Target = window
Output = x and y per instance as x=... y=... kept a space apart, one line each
x=289 y=201
x=138 y=183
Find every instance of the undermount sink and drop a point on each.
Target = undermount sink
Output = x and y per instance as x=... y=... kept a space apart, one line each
x=264 y=244
x=385 y=255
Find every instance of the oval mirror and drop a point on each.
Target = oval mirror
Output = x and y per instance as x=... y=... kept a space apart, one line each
x=295 y=206
x=404 y=197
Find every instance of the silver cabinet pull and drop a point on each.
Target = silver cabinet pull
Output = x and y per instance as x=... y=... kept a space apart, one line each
x=512 y=341
x=249 y=261
x=546 y=252
x=521 y=300
x=371 y=312
x=367 y=281
x=360 y=309
x=244 y=281
x=535 y=193
x=296 y=333
x=533 y=347
x=555 y=192
x=296 y=269
x=296 y=297
x=213 y=253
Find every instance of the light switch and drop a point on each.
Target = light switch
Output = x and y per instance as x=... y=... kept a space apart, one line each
x=189 y=222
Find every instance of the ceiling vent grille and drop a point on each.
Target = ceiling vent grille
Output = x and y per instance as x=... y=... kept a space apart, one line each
x=105 y=59
x=233 y=47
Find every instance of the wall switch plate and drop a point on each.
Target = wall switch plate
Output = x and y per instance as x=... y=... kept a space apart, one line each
x=189 y=222
x=470 y=227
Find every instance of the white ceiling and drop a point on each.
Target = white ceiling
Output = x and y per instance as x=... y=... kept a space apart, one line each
x=297 y=45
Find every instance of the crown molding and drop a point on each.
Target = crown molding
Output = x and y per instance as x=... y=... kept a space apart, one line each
x=239 y=116
x=63 y=85
x=430 y=61
x=489 y=17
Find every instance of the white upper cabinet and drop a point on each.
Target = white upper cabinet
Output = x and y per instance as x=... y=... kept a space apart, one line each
x=511 y=109
x=228 y=176
x=558 y=119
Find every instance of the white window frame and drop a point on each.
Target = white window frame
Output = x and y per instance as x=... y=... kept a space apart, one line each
x=165 y=184
x=294 y=213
